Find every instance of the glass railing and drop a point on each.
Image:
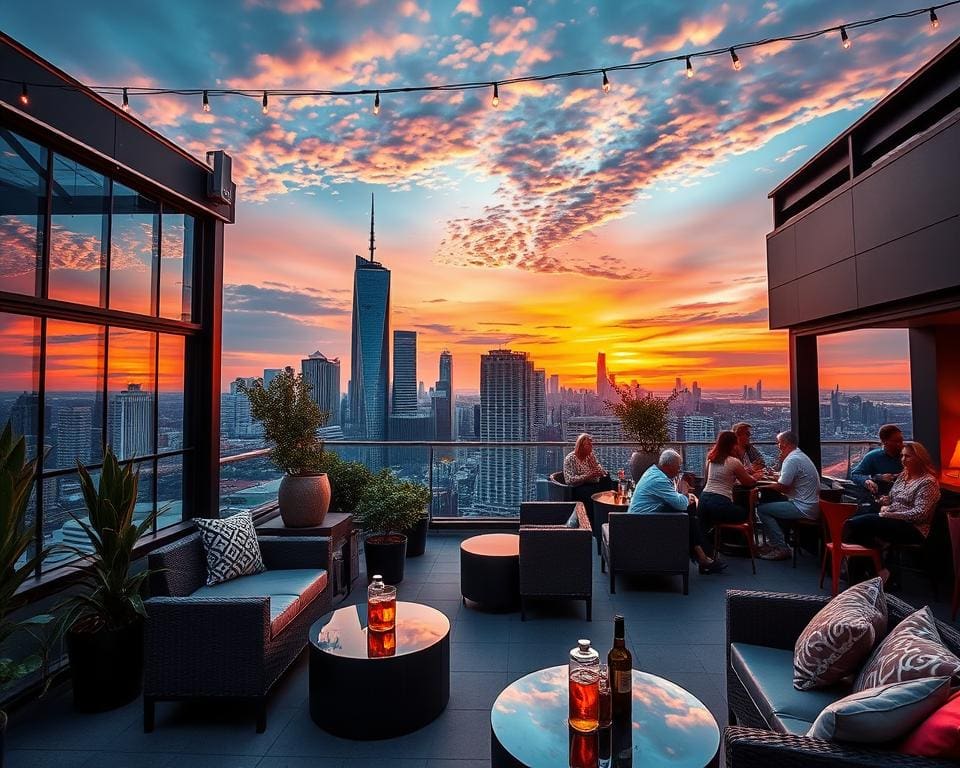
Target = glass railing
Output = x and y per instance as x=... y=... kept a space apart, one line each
x=477 y=480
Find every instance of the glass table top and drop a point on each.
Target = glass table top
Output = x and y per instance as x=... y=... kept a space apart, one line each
x=671 y=727
x=344 y=632
x=493 y=545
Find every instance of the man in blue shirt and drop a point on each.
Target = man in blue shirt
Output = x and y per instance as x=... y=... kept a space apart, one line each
x=879 y=468
x=657 y=492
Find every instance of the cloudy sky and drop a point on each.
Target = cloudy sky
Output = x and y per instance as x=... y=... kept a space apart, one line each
x=563 y=223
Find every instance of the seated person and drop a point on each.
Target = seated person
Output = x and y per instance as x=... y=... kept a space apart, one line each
x=723 y=471
x=799 y=481
x=746 y=451
x=657 y=492
x=877 y=470
x=584 y=473
x=907 y=512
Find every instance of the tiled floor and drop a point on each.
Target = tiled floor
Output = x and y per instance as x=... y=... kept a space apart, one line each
x=678 y=637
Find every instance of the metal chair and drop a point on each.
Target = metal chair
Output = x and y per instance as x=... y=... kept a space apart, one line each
x=834 y=515
x=803 y=522
x=744 y=527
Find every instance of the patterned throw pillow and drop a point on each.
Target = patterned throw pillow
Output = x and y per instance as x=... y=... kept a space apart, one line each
x=231 y=546
x=838 y=639
x=912 y=650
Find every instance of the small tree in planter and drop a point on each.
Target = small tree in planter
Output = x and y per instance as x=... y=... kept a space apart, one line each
x=644 y=420
x=387 y=507
x=291 y=421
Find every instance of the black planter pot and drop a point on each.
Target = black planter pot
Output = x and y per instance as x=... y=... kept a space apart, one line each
x=385 y=557
x=3 y=739
x=106 y=667
x=417 y=538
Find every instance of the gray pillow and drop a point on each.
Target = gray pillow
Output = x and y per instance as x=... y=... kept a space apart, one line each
x=574 y=520
x=883 y=713
x=231 y=547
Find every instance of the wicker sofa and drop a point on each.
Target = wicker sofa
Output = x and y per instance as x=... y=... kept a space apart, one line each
x=654 y=543
x=233 y=640
x=768 y=716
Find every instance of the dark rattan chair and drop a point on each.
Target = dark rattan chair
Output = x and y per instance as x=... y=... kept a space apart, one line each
x=656 y=543
x=227 y=647
x=776 y=621
x=557 y=489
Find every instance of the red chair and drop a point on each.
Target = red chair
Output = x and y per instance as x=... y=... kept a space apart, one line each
x=744 y=527
x=835 y=515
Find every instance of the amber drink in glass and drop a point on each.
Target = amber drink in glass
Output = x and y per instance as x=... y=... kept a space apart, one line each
x=606 y=704
x=584 y=687
x=381 y=606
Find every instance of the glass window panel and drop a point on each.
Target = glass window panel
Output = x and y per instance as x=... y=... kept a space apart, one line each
x=78 y=233
x=144 y=505
x=170 y=432
x=23 y=201
x=176 y=266
x=62 y=503
x=19 y=377
x=134 y=233
x=74 y=394
x=131 y=389
x=170 y=491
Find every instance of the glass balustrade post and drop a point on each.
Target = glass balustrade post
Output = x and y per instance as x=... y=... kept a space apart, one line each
x=430 y=480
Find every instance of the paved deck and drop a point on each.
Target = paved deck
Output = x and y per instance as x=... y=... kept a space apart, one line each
x=677 y=637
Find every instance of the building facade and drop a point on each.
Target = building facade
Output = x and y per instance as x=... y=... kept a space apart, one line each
x=370 y=350
x=404 y=373
x=323 y=375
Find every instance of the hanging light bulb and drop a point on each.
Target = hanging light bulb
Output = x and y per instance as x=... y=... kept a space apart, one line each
x=606 y=82
x=934 y=21
x=376 y=104
x=265 y=107
x=24 y=96
x=126 y=101
x=844 y=39
x=206 y=102
x=496 y=96
x=689 y=68
x=737 y=64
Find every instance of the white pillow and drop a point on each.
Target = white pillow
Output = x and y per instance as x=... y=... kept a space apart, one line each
x=231 y=546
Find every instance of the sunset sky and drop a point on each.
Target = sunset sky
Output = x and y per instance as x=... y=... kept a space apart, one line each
x=564 y=223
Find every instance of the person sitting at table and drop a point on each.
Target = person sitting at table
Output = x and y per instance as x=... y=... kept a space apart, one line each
x=723 y=471
x=906 y=513
x=584 y=473
x=799 y=481
x=746 y=451
x=657 y=492
x=874 y=474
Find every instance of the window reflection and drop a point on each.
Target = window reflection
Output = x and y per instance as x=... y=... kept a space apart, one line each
x=23 y=201
x=170 y=491
x=59 y=525
x=170 y=432
x=77 y=234
x=131 y=389
x=176 y=268
x=134 y=233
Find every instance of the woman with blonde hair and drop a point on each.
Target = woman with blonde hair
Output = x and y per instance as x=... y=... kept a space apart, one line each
x=907 y=512
x=584 y=473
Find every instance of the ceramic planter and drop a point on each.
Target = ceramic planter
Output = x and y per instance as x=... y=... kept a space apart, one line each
x=304 y=500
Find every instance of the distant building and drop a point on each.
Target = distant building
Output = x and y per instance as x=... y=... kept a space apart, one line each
x=269 y=374
x=697 y=428
x=323 y=375
x=554 y=384
x=603 y=429
x=370 y=353
x=404 y=373
x=74 y=427
x=539 y=402
x=130 y=422
x=442 y=400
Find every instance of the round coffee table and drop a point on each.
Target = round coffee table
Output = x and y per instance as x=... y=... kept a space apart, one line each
x=604 y=503
x=490 y=570
x=670 y=726
x=377 y=685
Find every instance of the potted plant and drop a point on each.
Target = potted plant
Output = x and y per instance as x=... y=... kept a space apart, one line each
x=387 y=507
x=16 y=565
x=104 y=620
x=348 y=481
x=290 y=422
x=643 y=417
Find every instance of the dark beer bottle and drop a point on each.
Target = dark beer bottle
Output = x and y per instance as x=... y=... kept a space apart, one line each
x=620 y=664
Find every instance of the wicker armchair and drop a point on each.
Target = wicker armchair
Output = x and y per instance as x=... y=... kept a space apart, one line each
x=556 y=561
x=229 y=647
x=656 y=543
x=775 y=621
x=557 y=489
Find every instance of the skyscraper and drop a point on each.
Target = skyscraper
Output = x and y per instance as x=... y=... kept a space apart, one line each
x=269 y=374
x=404 y=373
x=701 y=429
x=323 y=376
x=370 y=351
x=539 y=402
x=443 y=399
x=74 y=426
x=555 y=384
x=604 y=390
x=130 y=422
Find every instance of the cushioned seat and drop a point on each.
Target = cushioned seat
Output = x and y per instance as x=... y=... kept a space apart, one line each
x=288 y=591
x=767 y=674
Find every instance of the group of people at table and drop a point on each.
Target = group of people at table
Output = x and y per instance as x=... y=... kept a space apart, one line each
x=896 y=485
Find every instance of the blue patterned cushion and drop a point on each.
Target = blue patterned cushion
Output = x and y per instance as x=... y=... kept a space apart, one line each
x=231 y=546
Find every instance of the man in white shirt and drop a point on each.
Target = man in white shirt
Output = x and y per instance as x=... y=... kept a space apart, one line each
x=799 y=481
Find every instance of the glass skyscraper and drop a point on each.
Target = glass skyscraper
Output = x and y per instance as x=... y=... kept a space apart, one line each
x=370 y=350
x=404 y=372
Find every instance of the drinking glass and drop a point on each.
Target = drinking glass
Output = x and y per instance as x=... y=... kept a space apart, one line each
x=382 y=610
x=606 y=702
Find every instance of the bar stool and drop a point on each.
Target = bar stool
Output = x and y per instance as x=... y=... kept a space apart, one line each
x=745 y=527
x=835 y=515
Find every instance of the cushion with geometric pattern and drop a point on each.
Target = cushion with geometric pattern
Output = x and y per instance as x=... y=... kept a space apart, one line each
x=231 y=546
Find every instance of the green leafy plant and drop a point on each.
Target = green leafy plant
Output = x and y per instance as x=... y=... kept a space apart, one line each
x=643 y=417
x=290 y=421
x=389 y=505
x=16 y=484
x=348 y=482
x=110 y=596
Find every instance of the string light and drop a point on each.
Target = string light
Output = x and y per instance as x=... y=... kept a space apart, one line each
x=206 y=102
x=24 y=96
x=689 y=68
x=376 y=104
x=265 y=107
x=496 y=96
x=737 y=64
x=845 y=39
x=126 y=101
x=934 y=21
x=606 y=82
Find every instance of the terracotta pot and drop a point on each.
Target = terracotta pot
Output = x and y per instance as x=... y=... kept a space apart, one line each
x=640 y=462
x=304 y=500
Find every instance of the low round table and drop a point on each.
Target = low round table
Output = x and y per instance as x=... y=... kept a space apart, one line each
x=670 y=726
x=377 y=685
x=604 y=503
x=490 y=570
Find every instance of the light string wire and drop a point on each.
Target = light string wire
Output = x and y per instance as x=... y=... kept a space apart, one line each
x=684 y=58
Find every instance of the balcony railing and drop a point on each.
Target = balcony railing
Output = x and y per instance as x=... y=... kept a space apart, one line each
x=480 y=480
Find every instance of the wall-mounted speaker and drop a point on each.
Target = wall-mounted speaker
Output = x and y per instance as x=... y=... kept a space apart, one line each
x=219 y=182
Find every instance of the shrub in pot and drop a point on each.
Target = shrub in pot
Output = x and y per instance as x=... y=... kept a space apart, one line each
x=104 y=620
x=291 y=421
x=643 y=417
x=387 y=507
x=348 y=481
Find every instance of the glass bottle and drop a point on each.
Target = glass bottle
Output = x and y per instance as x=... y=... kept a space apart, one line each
x=620 y=664
x=381 y=605
x=584 y=687
x=606 y=711
x=583 y=750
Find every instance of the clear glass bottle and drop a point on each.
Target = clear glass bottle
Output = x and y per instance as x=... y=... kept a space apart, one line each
x=606 y=704
x=381 y=605
x=584 y=686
